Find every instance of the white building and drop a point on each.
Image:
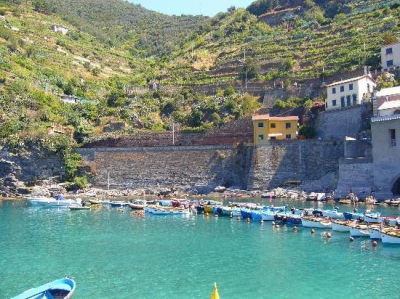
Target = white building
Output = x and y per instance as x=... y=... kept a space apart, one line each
x=350 y=92
x=58 y=28
x=390 y=56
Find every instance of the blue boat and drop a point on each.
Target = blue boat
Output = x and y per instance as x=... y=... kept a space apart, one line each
x=353 y=215
x=58 y=289
x=118 y=204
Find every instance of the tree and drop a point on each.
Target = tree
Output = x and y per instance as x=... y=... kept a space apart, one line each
x=385 y=80
x=42 y=6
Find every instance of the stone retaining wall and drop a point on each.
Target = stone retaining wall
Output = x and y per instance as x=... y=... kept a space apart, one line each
x=244 y=167
x=205 y=166
x=304 y=160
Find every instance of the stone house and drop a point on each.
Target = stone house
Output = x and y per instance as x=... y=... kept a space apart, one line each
x=390 y=56
x=268 y=127
x=350 y=92
x=58 y=28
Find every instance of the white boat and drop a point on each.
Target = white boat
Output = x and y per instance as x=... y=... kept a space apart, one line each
x=51 y=202
x=334 y=214
x=315 y=222
x=138 y=204
x=359 y=230
x=375 y=231
x=391 y=237
x=340 y=225
x=77 y=207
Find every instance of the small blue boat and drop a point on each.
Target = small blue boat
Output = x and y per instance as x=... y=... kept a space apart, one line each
x=58 y=289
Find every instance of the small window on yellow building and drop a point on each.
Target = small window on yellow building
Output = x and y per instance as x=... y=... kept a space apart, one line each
x=260 y=137
x=261 y=125
x=273 y=125
x=288 y=125
x=288 y=136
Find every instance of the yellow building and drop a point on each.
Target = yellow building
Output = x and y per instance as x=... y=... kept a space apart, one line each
x=274 y=127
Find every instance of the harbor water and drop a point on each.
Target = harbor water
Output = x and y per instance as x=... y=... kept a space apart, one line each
x=121 y=254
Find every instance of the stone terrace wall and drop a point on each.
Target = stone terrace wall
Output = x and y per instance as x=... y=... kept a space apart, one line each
x=305 y=160
x=337 y=124
x=204 y=166
x=240 y=131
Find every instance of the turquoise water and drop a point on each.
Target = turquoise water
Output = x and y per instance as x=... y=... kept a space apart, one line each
x=113 y=254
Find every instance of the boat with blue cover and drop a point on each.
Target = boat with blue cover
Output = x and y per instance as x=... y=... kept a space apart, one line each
x=58 y=289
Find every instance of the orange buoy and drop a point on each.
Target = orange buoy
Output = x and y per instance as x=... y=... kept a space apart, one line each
x=374 y=243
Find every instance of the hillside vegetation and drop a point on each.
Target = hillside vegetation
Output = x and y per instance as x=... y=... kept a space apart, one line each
x=116 y=55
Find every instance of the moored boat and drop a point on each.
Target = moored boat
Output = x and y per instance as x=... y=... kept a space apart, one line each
x=51 y=202
x=118 y=204
x=94 y=201
x=58 y=289
x=315 y=222
x=372 y=217
x=359 y=230
x=391 y=237
x=340 y=225
x=375 y=231
x=334 y=214
x=77 y=207
x=138 y=204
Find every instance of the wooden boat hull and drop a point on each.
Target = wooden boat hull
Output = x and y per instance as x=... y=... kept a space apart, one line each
x=62 y=288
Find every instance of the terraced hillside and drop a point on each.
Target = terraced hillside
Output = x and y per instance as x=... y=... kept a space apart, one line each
x=295 y=50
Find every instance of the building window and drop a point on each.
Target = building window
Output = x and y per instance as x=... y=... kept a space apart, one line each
x=392 y=135
x=333 y=102
x=348 y=100
x=389 y=51
x=354 y=99
x=389 y=63
x=273 y=125
x=288 y=136
x=342 y=104
x=261 y=125
x=341 y=88
x=333 y=89
x=288 y=125
x=261 y=137
x=351 y=86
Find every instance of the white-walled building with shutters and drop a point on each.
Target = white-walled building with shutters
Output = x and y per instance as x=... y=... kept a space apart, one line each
x=350 y=92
